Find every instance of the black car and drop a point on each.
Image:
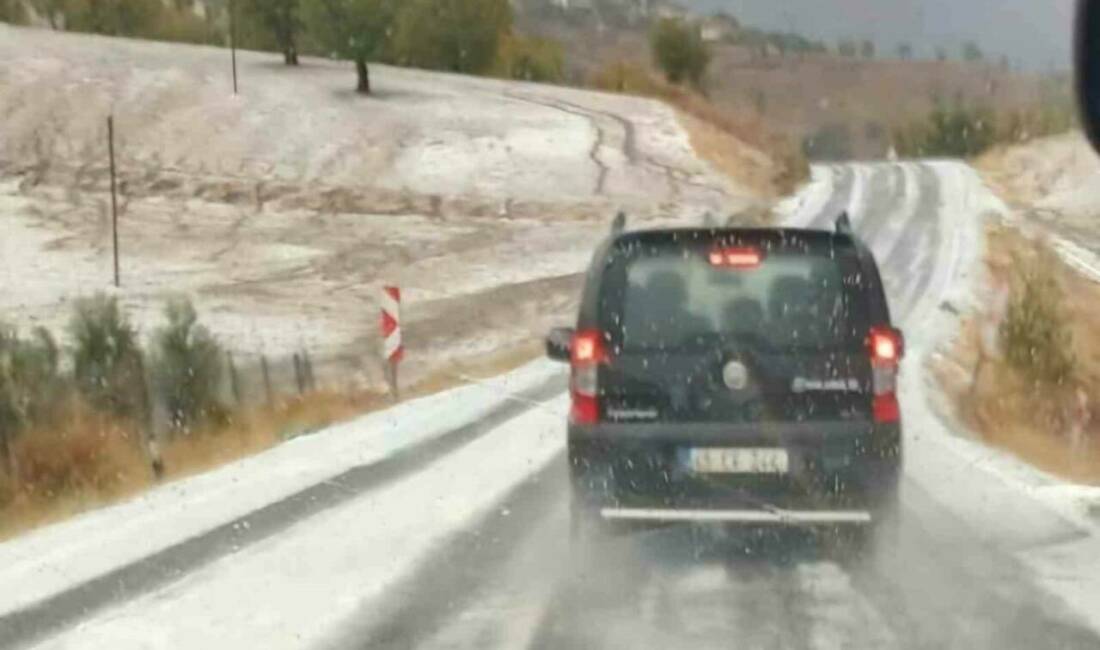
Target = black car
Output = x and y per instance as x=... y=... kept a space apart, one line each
x=743 y=376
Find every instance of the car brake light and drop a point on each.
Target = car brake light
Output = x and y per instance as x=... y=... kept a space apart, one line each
x=885 y=347
x=736 y=258
x=588 y=353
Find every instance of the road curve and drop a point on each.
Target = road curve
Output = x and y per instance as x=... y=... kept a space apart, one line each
x=506 y=576
x=939 y=585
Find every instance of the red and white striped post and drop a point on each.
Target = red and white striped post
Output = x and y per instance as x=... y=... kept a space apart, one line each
x=392 y=349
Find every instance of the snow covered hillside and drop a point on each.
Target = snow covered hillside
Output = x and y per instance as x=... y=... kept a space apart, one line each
x=282 y=210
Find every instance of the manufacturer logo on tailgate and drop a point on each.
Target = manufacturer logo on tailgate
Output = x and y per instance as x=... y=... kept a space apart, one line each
x=801 y=385
x=632 y=414
x=735 y=375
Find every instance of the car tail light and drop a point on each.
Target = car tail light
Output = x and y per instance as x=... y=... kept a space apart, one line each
x=587 y=354
x=885 y=347
x=742 y=257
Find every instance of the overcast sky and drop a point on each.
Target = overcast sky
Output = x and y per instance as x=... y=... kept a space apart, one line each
x=1035 y=33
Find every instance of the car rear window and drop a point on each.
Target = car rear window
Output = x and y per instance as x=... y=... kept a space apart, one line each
x=674 y=297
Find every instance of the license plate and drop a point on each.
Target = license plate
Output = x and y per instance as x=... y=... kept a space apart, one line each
x=738 y=461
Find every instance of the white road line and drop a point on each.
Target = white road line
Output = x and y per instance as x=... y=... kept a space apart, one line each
x=512 y=616
x=838 y=614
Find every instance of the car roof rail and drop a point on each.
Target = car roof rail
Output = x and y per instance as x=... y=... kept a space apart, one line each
x=618 y=224
x=844 y=224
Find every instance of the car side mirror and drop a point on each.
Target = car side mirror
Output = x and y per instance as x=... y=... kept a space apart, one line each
x=1087 y=60
x=559 y=343
x=901 y=342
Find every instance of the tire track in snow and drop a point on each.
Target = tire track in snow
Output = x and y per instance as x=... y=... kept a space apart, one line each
x=911 y=261
x=884 y=202
x=456 y=576
x=843 y=188
x=670 y=587
x=603 y=170
x=674 y=176
x=171 y=564
x=630 y=146
x=941 y=588
x=763 y=602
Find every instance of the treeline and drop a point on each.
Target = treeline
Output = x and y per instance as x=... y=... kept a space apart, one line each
x=175 y=20
x=783 y=43
x=468 y=36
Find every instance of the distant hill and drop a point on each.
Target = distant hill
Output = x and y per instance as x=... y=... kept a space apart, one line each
x=1033 y=34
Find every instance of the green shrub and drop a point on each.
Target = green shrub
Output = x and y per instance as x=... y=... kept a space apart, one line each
x=107 y=361
x=680 y=51
x=113 y=17
x=273 y=24
x=1035 y=336
x=1056 y=113
x=458 y=35
x=29 y=378
x=957 y=131
x=29 y=385
x=624 y=77
x=152 y=19
x=532 y=59
x=13 y=11
x=187 y=363
x=183 y=26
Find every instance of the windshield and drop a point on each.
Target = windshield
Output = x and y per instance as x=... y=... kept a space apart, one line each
x=555 y=324
x=678 y=298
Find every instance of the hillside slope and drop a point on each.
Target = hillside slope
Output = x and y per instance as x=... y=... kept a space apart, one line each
x=283 y=209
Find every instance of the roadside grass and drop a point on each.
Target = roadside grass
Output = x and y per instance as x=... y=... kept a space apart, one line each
x=93 y=460
x=732 y=139
x=1041 y=421
x=88 y=458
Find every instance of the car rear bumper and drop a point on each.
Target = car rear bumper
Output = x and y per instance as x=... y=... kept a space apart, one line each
x=757 y=517
x=638 y=472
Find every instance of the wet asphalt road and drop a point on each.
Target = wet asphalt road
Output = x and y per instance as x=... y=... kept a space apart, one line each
x=514 y=582
x=511 y=578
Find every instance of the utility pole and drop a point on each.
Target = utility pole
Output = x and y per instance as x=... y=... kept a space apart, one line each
x=233 y=40
x=114 y=192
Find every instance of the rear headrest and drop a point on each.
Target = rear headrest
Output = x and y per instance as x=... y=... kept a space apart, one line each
x=744 y=314
x=790 y=295
x=667 y=288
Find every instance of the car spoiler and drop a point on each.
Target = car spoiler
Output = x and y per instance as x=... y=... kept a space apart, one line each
x=618 y=225
x=844 y=224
